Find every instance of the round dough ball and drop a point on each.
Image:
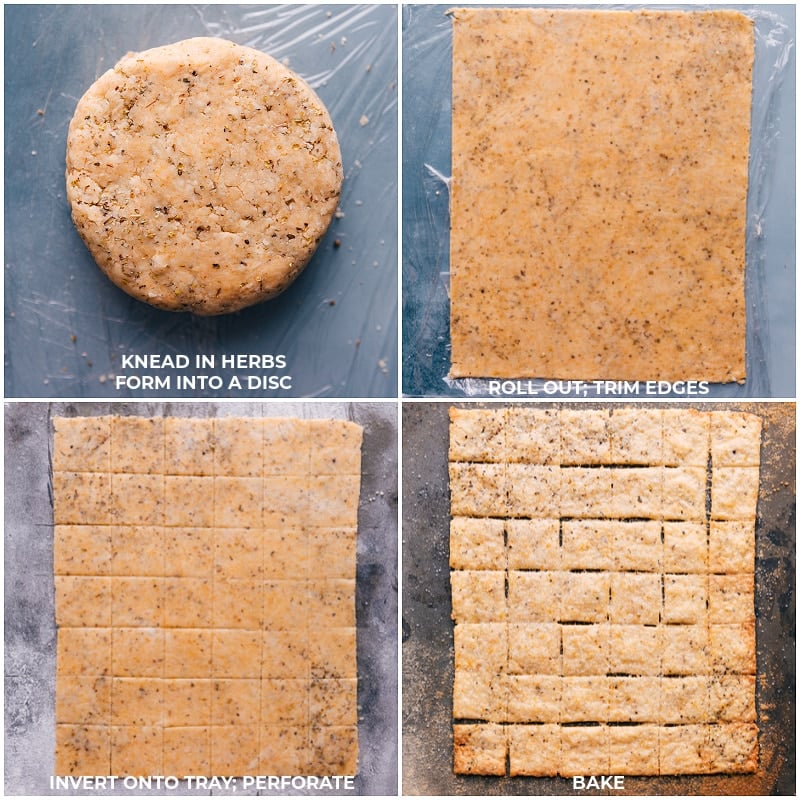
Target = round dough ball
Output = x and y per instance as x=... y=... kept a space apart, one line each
x=202 y=175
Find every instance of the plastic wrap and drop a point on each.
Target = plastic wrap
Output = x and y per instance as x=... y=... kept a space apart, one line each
x=68 y=328
x=770 y=230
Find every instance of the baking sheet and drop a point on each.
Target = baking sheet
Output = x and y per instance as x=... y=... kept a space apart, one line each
x=30 y=633
x=428 y=630
x=769 y=277
x=68 y=327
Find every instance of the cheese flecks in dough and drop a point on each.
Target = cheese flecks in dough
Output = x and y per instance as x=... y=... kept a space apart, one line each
x=600 y=169
x=206 y=618
x=611 y=627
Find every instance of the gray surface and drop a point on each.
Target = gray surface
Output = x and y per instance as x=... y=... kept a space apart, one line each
x=30 y=632
x=428 y=630
x=770 y=273
x=337 y=324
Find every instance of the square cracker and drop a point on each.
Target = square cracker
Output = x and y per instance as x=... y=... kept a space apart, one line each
x=585 y=649
x=685 y=599
x=480 y=696
x=478 y=595
x=477 y=543
x=533 y=490
x=533 y=648
x=735 y=439
x=534 y=698
x=533 y=544
x=731 y=546
x=477 y=434
x=584 y=751
x=485 y=646
x=633 y=698
x=586 y=544
x=534 y=596
x=636 y=436
x=686 y=437
x=478 y=490
x=479 y=749
x=534 y=749
x=734 y=493
x=633 y=750
x=533 y=436
x=607 y=268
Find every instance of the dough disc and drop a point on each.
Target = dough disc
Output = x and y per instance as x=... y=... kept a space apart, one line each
x=202 y=175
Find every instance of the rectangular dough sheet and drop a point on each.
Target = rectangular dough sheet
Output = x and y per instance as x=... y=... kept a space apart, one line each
x=205 y=596
x=585 y=632
x=600 y=168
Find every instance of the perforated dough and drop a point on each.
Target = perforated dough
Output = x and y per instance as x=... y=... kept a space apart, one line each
x=206 y=626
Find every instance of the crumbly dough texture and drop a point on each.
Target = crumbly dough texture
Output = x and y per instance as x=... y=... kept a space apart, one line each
x=603 y=593
x=202 y=175
x=600 y=168
x=205 y=596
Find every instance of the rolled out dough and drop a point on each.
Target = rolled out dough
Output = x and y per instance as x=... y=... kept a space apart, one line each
x=600 y=171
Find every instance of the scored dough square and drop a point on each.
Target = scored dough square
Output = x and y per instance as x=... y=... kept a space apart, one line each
x=137 y=445
x=82 y=444
x=575 y=249
x=82 y=550
x=618 y=610
x=200 y=602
